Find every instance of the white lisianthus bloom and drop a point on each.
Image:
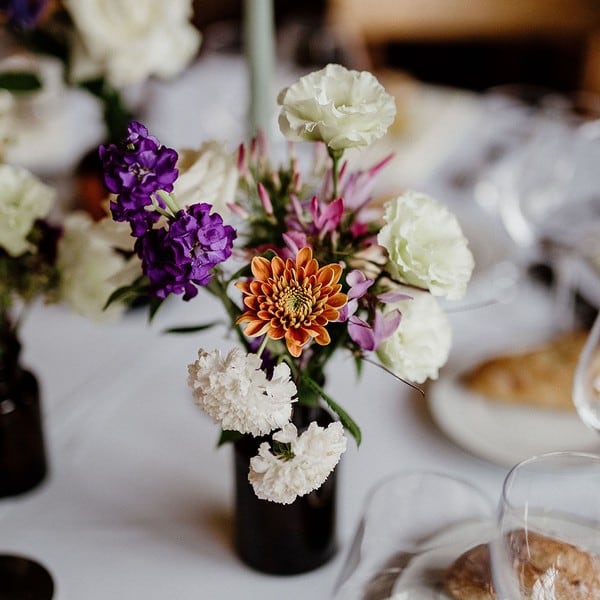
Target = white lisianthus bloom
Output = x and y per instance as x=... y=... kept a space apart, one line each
x=426 y=246
x=127 y=42
x=209 y=174
x=312 y=457
x=343 y=108
x=87 y=263
x=235 y=392
x=24 y=199
x=421 y=344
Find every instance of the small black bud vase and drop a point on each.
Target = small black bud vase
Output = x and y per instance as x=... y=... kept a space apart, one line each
x=284 y=539
x=22 y=451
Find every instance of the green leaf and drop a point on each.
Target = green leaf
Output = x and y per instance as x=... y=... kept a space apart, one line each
x=125 y=294
x=228 y=436
x=20 y=81
x=191 y=328
x=245 y=271
x=155 y=304
x=346 y=420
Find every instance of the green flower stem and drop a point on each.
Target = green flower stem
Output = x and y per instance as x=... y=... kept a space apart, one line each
x=262 y=346
x=219 y=289
x=336 y=156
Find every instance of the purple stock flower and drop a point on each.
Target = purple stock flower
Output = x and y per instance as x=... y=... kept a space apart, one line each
x=135 y=169
x=23 y=14
x=179 y=258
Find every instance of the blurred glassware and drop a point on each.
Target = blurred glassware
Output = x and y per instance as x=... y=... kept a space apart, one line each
x=548 y=536
x=414 y=524
x=542 y=183
x=586 y=385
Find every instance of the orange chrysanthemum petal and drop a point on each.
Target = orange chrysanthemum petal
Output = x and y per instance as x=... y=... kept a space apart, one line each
x=261 y=268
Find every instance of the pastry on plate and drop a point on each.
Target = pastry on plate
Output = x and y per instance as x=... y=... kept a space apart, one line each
x=541 y=376
x=562 y=570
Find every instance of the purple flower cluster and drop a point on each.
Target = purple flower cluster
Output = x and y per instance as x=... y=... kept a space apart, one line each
x=179 y=258
x=23 y=14
x=135 y=170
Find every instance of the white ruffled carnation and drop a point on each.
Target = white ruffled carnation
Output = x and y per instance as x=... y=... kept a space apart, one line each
x=421 y=344
x=24 y=199
x=127 y=42
x=208 y=174
x=87 y=262
x=343 y=108
x=236 y=393
x=314 y=455
x=426 y=245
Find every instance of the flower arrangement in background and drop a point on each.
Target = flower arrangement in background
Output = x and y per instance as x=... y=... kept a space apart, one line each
x=69 y=261
x=106 y=46
x=300 y=265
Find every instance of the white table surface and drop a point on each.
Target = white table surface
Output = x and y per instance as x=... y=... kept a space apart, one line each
x=138 y=502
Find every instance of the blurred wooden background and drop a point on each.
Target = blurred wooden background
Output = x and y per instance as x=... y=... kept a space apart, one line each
x=467 y=43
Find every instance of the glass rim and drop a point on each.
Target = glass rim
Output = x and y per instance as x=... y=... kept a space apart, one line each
x=404 y=474
x=541 y=459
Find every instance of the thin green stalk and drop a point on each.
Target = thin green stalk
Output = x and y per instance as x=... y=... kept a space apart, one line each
x=336 y=156
x=219 y=290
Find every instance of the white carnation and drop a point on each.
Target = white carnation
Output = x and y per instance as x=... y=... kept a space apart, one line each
x=87 y=262
x=236 y=393
x=127 y=42
x=343 y=108
x=421 y=344
x=426 y=245
x=24 y=199
x=208 y=174
x=314 y=455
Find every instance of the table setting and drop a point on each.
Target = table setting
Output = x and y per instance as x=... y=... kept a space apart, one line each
x=326 y=332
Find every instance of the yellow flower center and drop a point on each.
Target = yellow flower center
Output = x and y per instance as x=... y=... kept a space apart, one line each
x=296 y=302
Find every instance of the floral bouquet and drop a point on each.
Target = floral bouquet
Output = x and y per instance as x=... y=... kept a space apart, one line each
x=70 y=261
x=299 y=262
x=106 y=46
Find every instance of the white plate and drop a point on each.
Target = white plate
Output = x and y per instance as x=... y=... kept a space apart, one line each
x=501 y=433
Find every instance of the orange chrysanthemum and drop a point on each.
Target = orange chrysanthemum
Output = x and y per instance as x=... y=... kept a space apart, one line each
x=291 y=300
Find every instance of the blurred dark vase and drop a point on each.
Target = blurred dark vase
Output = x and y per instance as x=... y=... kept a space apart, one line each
x=23 y=463
x=284 y=539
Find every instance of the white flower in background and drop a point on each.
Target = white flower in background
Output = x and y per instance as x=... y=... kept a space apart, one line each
x=208 y=174
x=422 y=341
x=87 y=262
x=311 y=458
x=128 y=41
x=343 y=108
x=24 y=199
x=236 y=393
x=426 y=245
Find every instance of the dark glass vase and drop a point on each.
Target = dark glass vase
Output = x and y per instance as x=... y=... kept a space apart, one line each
x=284 y=539
x=22 y=450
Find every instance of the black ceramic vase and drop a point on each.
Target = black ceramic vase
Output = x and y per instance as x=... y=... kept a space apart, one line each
x=22 y=450
x=284 y=539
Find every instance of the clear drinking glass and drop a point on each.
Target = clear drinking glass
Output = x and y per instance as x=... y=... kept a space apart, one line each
x=414 y=525
x=586 y=384
x=547 y=545
x=544 y=187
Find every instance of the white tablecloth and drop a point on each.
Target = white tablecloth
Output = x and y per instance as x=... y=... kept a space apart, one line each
x=138 y=502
